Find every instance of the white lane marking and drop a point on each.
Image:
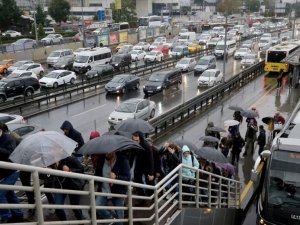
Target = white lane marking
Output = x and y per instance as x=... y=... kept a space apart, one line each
x=82 y=113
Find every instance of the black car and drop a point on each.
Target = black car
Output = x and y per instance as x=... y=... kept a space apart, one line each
x=160 y=81
x=64 y=63
x=122 y=83
x=17 y=86
x=99 y=70
x=120 y=61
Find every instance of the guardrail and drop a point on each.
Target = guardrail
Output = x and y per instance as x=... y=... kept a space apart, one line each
x=204 y=190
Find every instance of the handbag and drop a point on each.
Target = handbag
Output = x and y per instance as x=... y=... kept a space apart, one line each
x=278 y=126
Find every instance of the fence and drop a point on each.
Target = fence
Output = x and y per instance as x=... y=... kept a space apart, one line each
x=206 y=189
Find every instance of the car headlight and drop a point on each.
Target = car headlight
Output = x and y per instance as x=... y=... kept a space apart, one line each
x=118 y=87
x=159 y=87
x=144 y=86
x=109 y=118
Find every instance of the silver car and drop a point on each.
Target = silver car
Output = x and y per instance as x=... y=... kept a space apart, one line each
x=249 y=60
x=23 y=130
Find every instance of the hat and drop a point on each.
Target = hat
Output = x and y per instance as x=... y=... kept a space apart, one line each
x=94 y=134
x=185 y=148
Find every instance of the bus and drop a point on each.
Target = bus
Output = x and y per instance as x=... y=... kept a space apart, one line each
x=279 y=199
x=119 y=26
x=276 y=54
x=150 y=21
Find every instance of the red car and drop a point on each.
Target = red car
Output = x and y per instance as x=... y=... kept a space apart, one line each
x=163 y=48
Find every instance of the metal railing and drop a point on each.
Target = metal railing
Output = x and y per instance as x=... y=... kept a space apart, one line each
x=205 y=190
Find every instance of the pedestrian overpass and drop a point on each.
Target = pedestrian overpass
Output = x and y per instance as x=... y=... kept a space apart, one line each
x=210 y=199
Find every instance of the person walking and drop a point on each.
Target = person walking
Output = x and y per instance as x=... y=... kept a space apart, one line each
x=261 y=139
x=250 y=137
x=280 y=78
x=237 y=145
x=225 y=145
x=114 y=166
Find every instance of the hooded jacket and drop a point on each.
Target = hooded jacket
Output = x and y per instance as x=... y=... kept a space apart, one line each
x=189 y=162
x=7 y=146
x=73 y=134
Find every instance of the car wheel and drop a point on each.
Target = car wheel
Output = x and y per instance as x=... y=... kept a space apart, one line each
x=55 y=85
x=137 y=86
x=4 y=71
x=123 y=90
x=152 y=114
x=28 y=93
x=2 y=98
x=72 y=81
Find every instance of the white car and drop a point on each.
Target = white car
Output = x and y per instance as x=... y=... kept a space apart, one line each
x=18 y=64
x=249 y=60
x=204 y=38
x=22 y=73
x=213 y=42
x=10 y=118
x=186 y=64
x=141 y=46
x=154 y=56
x=257 y=32
x=154 y=45
x=137 y=55
x=133 y=108
x=58 y=77
x=51 y=39
x=160 y=39
x=12 y=33
x=36 y=68
x=240 y=53
x=210 y=78
x=275 y=40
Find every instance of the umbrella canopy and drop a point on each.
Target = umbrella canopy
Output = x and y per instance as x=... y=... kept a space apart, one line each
x=267 y=120
x=118 y=132
x=209 y=139
x=227 y=166
x=132 y=125
x=43 y=149
x=229 y=123
x=211 y=154
x=107 y=144
x=191 y=145
x=216 y=129
x=249 y=114
x=236 y=108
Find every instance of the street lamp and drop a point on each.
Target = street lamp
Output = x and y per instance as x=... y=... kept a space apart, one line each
x=35 y=28
x=225 y=47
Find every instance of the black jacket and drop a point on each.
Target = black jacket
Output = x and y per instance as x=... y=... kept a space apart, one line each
x=261 y=139
x=73 y=134
x=122 y=170
x=237 y=144
x=7 y=146
x=169 y=161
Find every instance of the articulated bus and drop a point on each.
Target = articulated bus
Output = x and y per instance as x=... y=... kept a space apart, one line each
x=276 y=54
x=279 y=198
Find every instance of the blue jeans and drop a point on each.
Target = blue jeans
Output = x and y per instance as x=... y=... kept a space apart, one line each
x=106 y=214
x=74 y=200
x=9 y=197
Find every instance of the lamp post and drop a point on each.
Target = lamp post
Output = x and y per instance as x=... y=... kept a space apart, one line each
x=225 y=48
x=82 y=25
x=35 y=28
x=294 y=21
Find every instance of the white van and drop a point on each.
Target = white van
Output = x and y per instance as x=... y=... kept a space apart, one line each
x=85 y=60
x=49 y=30
x=57 y=54
x=230 y=48
x=264 y=42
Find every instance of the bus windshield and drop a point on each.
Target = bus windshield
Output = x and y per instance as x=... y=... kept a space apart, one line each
x=276 y=56
x=144 y=21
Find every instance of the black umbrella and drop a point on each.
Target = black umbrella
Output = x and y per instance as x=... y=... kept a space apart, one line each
x=108 y=143
x=249 y=114
x=211 y=154
x=191 y=145
x=209 y=139
x=118 y=132
x=216 y=129
x=132 y=125
x=236 y=108
x=267 y=119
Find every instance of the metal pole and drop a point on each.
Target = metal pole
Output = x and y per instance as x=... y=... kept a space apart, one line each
x=38 y=198
x=93 y=201
x=294 y=21
x=82 y=26
x=35 y=28
x=225 y=49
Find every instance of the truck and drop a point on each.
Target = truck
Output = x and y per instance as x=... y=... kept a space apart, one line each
x=187 y=36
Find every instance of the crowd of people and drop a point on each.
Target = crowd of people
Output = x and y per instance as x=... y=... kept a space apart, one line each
x=148 y=166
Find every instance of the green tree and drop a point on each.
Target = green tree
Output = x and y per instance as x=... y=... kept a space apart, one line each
x=228 y=7
x=9 y=13
x=126 y=13
x=253 y=5
x=59 y=10
x=41 y=32
x=40 y=15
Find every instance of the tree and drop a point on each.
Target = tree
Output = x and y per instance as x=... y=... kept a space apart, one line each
x=40 y=15
x=253 y=5
x=126 y=13
x=33 y=30
x=9 y=13
x=59 y=10
x=228 y=7
x=41 y=32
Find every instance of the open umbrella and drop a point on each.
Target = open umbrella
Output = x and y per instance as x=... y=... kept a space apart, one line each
x=249 y=114
x=229 y=123
x=118 y=132
x=108 y=143
x=227 y=166
x=216 y=129
x=43 y=149
x=183 y=142
x=211 y=154
x=267 y=119
x=236 y=108
x=209 y=139
x=132 y=125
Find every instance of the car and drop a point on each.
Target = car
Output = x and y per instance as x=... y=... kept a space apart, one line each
x=5 y=64
x=81 y=50
x=240 y=53
x=133 y=108
x=11 y=119
x=204 y=38
x=275 y=40
x=58 y=77
x=164 y=49
x=24 y=43
x=249 y=60
x=122 y=83
x=210 y=78
x=36 y=68
x=213 y=42
x=22 y=73
x=21 y=86
x=99 y=70
x=125 y=49
x=120 y=46
x=64 y=63
x=154 y=45
x=264 y=42
x=11 y=33
x=205 y=63
x=248 y=44
x=141 y=46
x=160 y=81
x=160 y=39
x=51 y=39
x=154 y=56
x=18 y=64
x=56 y=54
x=194 y=48
x=23 y=130
x=120 y=61
x=137 y=55
x=49 y=30
x=186 y=64
x=257 y=32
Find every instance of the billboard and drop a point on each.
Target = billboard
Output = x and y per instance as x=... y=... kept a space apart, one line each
x=113 y=38
x=103 y=39
x=142 y=34
x=123 y=36
x=118 y=4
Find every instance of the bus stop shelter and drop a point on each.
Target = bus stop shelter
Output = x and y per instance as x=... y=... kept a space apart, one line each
x=293 y=60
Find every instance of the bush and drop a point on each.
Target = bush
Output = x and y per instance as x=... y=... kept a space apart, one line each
x=41 y=32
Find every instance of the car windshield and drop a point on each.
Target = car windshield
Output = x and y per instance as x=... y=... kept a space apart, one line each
x=249 y=57
x=243 y=50
x=81 y=58
x=54 y=54
x=220 y=47
x=64 y=60
x=140 y=44
x=155 y=45
x=18 y=64
x=126 y=108
x=20 y=41
x=24 y=67
x=184 y=61
x=151 y=53
x=203 y=62
x=264 y=41
x=135 y=52
x=157 y=77
x=50 y=36
x=116 y=59
x=14 y=75
x=177 y=50
x=118 y=79
x=52 y=74
x=204 y=36
x=214 y=40
x=208 y=73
